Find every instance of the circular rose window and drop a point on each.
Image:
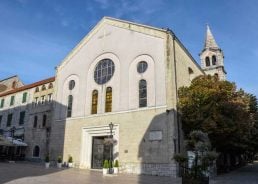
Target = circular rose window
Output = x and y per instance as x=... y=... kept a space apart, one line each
x=142 y=67
x=104 y=71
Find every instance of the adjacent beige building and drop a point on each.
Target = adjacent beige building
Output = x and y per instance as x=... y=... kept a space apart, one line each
x=28 y=109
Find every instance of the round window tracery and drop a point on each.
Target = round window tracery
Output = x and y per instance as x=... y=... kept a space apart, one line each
x=104 y=71
x=142 y=67
x=71 y=84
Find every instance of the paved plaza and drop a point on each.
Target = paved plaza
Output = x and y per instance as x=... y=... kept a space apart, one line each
x=245 y=175
x=27 y=173
x=22 y=173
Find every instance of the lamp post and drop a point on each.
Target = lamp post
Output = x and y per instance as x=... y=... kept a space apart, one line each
x=111 y=126
x=12 y=130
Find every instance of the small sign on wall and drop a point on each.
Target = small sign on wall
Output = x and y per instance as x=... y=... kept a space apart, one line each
x=155 y=136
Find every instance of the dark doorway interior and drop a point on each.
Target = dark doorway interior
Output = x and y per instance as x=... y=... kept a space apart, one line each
x=100 y=152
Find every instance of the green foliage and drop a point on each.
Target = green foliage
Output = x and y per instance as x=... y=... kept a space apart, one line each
x=226 y=114
x=106 y=164
x=70 y=159
x=47 y=159
x=59 y=159
x=198 y=142
x=116 y=163
x=180 y=158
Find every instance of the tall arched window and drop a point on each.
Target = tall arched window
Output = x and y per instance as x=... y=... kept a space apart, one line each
x=43 y=87
x=36 y=151
x=214 y=60
x=108 y=105
x=142 y=93
x=70 y=106
x=50 y=86
x=44 y=122
x=35 y=123
x=94 y=105
x=207 y=61
x=37 y=89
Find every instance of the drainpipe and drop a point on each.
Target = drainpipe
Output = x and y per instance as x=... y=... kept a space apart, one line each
x=176 y=86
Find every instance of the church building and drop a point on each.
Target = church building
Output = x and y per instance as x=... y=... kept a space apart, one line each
x=115 y=97
x=127 y=74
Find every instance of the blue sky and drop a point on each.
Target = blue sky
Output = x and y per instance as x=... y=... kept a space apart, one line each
x=36 y=35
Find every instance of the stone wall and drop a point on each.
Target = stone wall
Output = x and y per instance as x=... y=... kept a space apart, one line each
x=149 y=169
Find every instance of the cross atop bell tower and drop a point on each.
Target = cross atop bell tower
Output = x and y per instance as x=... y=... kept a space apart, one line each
x=212 y=57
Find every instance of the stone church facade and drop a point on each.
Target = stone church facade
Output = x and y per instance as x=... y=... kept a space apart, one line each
x=126 y=74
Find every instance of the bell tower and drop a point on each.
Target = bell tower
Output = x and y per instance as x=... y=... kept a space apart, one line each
x=212 y=57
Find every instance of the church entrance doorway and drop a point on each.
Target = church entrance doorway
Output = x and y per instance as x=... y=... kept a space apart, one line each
x=100 y=152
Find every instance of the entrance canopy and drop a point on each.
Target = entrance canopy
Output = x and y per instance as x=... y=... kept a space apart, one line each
x=9 y=141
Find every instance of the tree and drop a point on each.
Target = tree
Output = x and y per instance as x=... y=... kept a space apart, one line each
x=199 y=166
x=216 y=107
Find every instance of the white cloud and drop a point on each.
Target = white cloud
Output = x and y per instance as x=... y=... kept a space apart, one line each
x=64 y=23
x=22 y=1
x=104 y=4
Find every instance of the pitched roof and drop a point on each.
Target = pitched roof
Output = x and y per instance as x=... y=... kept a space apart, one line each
x=1 y=80
x=29 y=86
x=210 y=40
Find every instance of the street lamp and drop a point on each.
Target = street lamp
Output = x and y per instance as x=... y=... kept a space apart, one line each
x=111 y=126
x=12 y=130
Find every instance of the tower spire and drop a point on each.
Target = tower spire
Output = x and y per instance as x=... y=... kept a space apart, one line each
x=212 y=57
x=209 y=40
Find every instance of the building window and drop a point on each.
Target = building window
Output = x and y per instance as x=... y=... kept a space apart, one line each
x=22 y=117
x=9 y=120
x=207 y=61
x=142 y=93
x=104 y=71
x=142 y=66
x=24 y=97
x=50 y=86
x=70 y=106
x=44 y=122
x=216 y=75
x=36 y=100
x=1 y=117
x=71 y=84
x=37 y=89
x=94 y=105
x=43 y=87
x=108 y=105
x=214 y=60
x=36 y=151
x=14 y=84
x=42 y=99
x=2 y=103
x=50 y=97
x=35 y=123
x=190 y=71
x=12 y=100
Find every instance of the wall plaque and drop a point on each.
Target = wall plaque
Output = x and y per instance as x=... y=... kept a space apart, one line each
x=155 y=135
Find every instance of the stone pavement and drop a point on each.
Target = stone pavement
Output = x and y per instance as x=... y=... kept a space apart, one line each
x=245 y=175
x=27 y=173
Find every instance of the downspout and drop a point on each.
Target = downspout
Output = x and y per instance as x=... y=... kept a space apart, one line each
x=176 y=86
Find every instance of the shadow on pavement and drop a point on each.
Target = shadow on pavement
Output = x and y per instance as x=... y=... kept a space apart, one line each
x=13 y=171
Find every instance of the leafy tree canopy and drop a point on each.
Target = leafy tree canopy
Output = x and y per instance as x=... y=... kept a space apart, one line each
x=228 y=115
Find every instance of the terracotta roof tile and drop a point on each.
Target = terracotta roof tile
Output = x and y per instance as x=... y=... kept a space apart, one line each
x=29 y=86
